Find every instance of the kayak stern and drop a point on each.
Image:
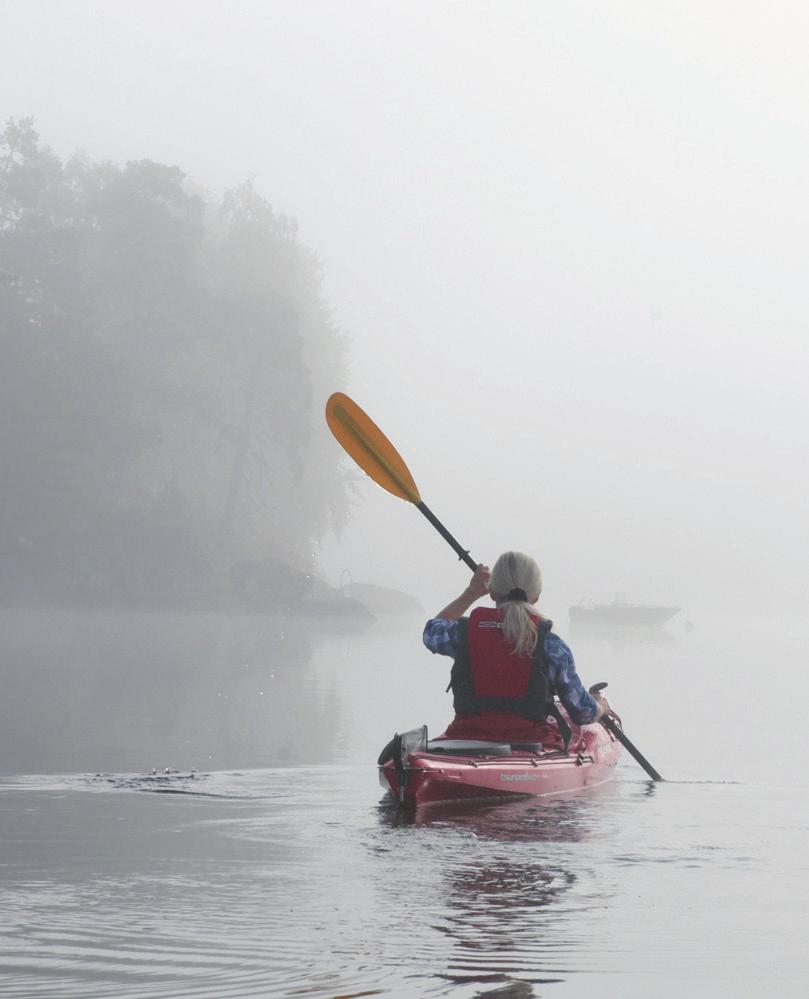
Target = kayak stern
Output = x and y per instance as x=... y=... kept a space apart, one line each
x=417 y=771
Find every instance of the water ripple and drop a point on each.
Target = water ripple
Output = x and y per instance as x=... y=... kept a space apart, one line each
x=298 y=882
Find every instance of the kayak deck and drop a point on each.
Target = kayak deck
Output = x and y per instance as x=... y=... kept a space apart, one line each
x=419 y=771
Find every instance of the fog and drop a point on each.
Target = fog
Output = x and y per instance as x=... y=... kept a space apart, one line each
x=565 y=243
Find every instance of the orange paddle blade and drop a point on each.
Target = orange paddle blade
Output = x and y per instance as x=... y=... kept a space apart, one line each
x=369 y=447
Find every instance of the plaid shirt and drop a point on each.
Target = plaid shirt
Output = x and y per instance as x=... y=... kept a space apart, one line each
x=441 y=637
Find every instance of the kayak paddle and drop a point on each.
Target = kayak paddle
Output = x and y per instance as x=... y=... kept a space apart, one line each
x=378 y=458
x=615 y=729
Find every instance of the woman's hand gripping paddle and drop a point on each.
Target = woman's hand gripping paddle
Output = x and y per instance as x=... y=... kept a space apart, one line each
x=379 y=459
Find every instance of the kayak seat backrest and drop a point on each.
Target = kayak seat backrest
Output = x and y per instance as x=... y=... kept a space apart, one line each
x=468 y=747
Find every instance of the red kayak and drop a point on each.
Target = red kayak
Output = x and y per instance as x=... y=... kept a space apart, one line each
x=419 y=771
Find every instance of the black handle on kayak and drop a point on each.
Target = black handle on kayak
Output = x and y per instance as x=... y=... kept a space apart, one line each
x=614 y=729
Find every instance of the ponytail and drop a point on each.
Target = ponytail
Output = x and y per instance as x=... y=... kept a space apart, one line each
x=519 y=627
x=516 y=583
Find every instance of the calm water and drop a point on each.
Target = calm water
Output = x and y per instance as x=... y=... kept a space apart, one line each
x=266 y=865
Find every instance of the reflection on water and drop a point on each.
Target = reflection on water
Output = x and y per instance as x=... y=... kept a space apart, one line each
x=512 y=901
x=526 y=819
x=283 y=882
x=176 y=839
x=502 y=917
x=141 y=691
x=295 y=881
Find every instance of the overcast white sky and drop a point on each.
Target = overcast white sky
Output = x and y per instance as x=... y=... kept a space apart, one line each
x=568 y=241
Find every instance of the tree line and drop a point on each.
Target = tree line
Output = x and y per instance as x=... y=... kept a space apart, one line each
x=164 y=358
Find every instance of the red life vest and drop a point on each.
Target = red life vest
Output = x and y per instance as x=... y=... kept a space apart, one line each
x=488 y=677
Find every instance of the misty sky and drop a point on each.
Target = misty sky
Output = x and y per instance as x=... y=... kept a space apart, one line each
x=567 y=241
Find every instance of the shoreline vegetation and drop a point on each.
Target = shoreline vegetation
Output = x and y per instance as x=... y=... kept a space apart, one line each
x=165 y=354
x=304 y=597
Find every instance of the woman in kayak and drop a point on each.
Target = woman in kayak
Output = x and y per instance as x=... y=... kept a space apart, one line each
x=508 y=664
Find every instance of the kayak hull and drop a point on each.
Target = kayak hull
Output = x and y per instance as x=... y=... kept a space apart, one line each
x=421 y=772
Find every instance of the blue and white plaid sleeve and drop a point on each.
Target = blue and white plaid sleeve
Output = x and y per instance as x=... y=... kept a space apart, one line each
x=580 y=704
x=441 y=636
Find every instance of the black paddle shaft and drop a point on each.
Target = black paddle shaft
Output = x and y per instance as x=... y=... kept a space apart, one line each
x=618 y=732
x=459 y=550
x=611 y=726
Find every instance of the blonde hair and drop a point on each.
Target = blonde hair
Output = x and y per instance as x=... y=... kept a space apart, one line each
x=516 y=571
